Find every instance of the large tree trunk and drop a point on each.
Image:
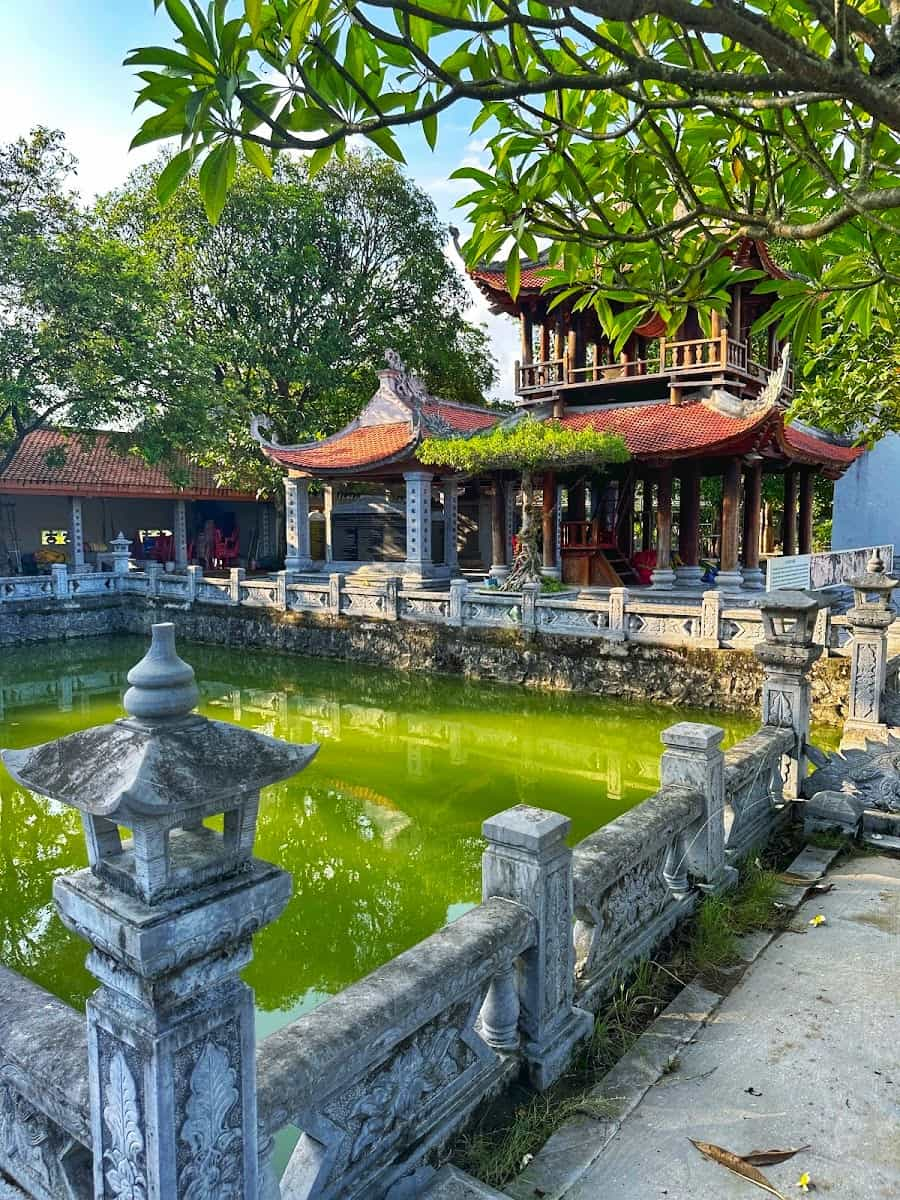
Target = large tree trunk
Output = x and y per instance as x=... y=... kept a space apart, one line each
x=526 y=566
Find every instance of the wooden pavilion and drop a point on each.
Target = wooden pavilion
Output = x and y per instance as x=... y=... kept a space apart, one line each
x=688 y=407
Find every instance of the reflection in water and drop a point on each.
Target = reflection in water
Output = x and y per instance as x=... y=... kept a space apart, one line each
x=381 y=833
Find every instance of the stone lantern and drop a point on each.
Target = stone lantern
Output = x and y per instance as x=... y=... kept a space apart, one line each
x=120 y=548
x=170 y=914
x=787 y=652
x=870 y=618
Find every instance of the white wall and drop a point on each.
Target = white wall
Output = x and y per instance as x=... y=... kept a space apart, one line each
x=867 y=499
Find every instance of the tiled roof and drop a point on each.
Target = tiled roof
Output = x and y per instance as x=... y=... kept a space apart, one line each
x=364 y=446
x=531 y=280
x=807 y=445
x=96 y=468
x=463 y=418
x=676 y=430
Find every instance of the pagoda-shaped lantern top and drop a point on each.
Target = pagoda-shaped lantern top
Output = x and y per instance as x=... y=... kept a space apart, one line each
x=872 y=595
x=161 y=772
x=789 y=617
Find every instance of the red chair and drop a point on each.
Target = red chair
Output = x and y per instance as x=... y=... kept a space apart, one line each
x=164 y=548
x=644 y=563
x=228 y=549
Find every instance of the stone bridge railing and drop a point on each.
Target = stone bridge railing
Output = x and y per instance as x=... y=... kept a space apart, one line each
x=709 y=621
x=160 y=1091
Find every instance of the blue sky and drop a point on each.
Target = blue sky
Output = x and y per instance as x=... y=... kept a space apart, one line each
x=60 y=65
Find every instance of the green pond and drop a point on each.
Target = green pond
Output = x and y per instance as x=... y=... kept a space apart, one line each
x=381 y=833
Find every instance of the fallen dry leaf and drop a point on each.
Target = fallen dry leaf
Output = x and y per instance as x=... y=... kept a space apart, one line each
x=768 y=1158
x=735 y=1164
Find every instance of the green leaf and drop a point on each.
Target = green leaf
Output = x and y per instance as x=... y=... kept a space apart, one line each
x=162 y=56
x=216 y=177
x=430 y=128
x=172 y=175
x=257 y=157
x=253 y=9
x=384 y=140
x=513 y=272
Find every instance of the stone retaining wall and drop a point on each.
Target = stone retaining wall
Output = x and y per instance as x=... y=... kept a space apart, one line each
x=728 y=680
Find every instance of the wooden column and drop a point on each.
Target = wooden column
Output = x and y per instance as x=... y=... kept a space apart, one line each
x=527 y=328
x=499 y=566
x=789 y=526
x=664 y=576
x=548 y=520
x=729 y=573
x=753 y=576
x=806 y=510
x=544 y=340
x=647 y=514
x=690 y=572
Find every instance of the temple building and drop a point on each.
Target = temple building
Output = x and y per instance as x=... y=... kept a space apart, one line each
x=64 y=498
x=690 y=407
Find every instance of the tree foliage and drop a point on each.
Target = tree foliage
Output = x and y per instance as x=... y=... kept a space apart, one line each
x=525 y=446
x=850 y=384
x=635 y=136
x=83 y=334
x=294 y=295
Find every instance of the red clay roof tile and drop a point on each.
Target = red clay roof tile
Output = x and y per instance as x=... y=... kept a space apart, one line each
x=362 y=447
x=96 y=468
x=679 y=430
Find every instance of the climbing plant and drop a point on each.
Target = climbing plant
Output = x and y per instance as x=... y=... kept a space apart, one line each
x=525 y=445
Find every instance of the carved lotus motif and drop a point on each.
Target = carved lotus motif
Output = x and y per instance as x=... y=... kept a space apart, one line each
x=871 y=775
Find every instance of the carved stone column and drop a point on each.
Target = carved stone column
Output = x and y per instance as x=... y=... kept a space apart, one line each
x=870 y=619
x=418 y=525
x=296 y=524
x=528 y=861
x=179 y=530
x=451 y=516
x=170 y=918
x=788 y=654
x=76 y=533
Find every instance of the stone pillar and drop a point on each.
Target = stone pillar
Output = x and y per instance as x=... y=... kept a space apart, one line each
x=710 y=611
x=121 y=554
x=788 y=653
x=528 y=861
x=266 y=540
x=510 y=491
x=693 y=759
x=296 y=524
x=618 y=598
x=754 y=579
x=328 y=512
x=179 y=529
x=789 y=524
x=76 y=533
x=805 y=510
x=194 y=575
x=870 y=619
x=550 y=559
x=458 y=589
x=418 y=524
x=169 y=915
x=690 y=573
x=235 y=578
x=729 y=577
x=663 y=577
x=59 y=573
x=499 y=561
x=451 y=514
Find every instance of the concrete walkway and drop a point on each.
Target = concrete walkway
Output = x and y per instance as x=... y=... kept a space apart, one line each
x=805 y=1049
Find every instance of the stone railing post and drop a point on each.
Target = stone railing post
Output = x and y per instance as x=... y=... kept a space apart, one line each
x=392 y=598
x=530 y=593
x=152 y=571
x=170 y=917
x=710 y=608
x=870 y=618
x=194 y=575
x=618 y=628
x=281 y=593
x=334 y=593
x=693 y=759
x=59 y=573
x=788 y=653
x=528 y=861
x=235 y=579
x=458 y=589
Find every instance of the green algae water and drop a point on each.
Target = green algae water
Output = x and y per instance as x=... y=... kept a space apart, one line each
x=381 y=833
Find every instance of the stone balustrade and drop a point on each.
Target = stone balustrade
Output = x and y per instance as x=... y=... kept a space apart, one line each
x=160 y=1090
x=709 y=621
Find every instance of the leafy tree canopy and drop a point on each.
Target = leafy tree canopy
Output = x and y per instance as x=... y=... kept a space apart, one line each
x=634 y=137
x=83 y=334
x=294 y=296
x=850 y=384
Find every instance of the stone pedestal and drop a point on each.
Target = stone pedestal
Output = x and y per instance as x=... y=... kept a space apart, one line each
x=691 y=577
x=870 y=619
x=754 y=579
x=662 y=579
x=730 y=581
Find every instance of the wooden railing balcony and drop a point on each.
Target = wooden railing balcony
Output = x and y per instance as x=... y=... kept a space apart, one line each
x=693 y=357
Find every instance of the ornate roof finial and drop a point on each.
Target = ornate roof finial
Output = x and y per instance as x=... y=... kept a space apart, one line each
x=163 y=687
x=405 y=384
